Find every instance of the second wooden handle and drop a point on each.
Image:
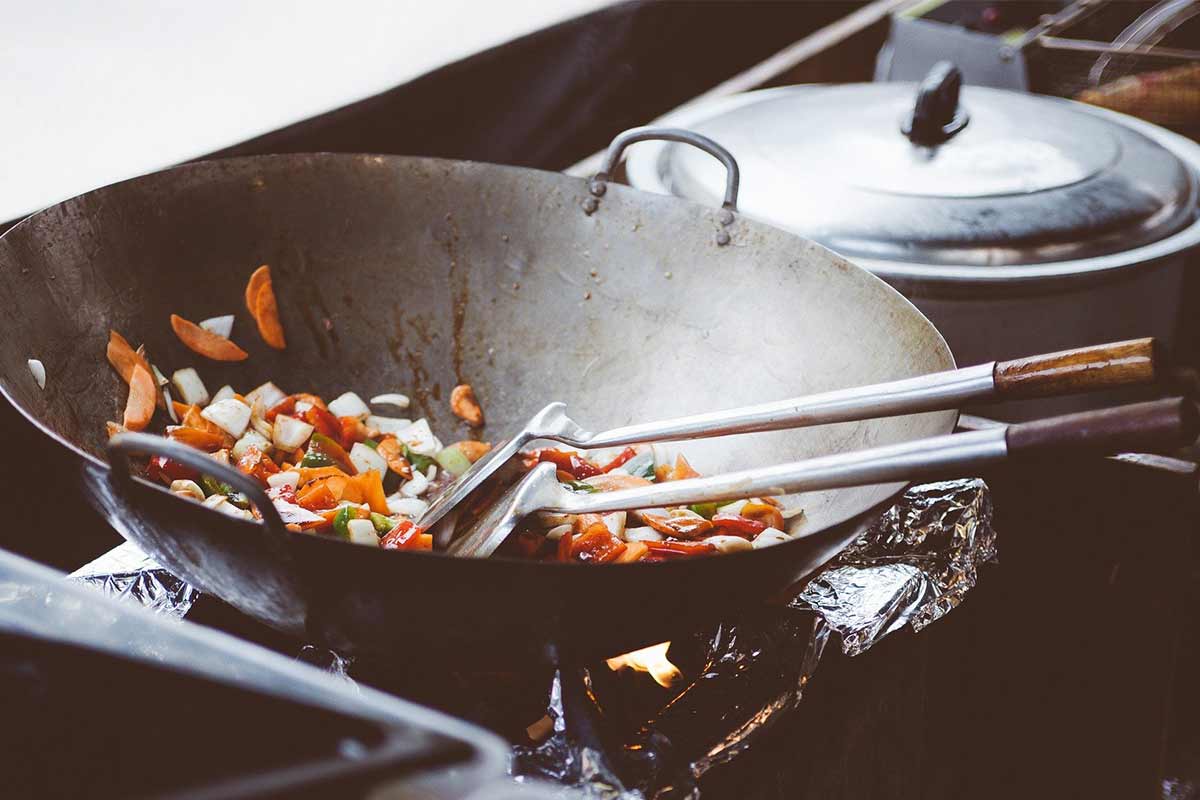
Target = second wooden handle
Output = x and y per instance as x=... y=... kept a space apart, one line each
x=1103 y=366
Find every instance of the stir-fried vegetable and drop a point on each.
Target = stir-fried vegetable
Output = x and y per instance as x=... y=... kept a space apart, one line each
x=336 y=469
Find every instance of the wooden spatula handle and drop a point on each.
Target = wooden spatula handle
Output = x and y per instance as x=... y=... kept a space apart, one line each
x=1103 y=366
x=1157 y=425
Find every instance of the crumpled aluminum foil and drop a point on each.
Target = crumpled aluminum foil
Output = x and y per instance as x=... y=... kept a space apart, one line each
x=125 y=571
x=913 y=565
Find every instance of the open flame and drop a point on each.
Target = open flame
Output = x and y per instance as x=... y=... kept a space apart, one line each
x=652 y=659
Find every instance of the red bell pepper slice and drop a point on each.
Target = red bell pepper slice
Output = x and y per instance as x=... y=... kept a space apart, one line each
x=405 y=536
x=737 y=525
x=620 y=460
x=164 y=469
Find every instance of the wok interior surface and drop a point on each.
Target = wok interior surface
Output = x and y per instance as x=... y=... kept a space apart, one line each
x=414 y=275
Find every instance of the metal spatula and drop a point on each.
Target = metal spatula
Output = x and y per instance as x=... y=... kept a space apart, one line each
x=1136 y=361
x=1162 y=423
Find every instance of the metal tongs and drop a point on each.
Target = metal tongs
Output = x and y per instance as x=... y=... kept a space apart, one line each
x=1138 y=361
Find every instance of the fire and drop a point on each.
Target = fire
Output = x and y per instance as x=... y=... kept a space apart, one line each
x=652 y=659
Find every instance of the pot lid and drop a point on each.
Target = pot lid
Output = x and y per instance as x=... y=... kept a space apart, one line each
x=988 y=178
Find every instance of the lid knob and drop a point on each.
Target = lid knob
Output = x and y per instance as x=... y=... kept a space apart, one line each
x=936 y=116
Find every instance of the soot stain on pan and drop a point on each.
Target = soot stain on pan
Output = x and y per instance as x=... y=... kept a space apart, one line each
x=459 y=295
x=418 y=391
x=313 y=299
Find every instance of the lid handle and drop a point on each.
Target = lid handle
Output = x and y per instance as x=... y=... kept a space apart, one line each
x=936 y=116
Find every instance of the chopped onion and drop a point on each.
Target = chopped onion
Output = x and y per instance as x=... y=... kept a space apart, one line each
x=453 y=460
x=38 y=369
x=615 y=522
x=188 y=489
x=729 y=544
x=733 y=508
x=557 y=532
x=420 y=438
x=791 y=513
x=302 y=406
x=231 y=416
x=289 y=432
x=226 y=392
x=552 y=519
x=221 y=326
x=394 y=399
x=292 y=514
x=416 y=487
x=392 y=425
x=362 y=531
x=646 y=534
x=250 y=438
x=269 y=393
x=769 y=537
x=409 y=507
x=190 y=387
x=431 y=471
x=349 y=405
x=289 y=478
x=221 y=503
x=169 y=402
x=159 y=378
x=366 y=458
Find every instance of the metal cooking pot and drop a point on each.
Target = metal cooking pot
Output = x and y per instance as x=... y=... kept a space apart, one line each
x=1017 y=223
x=415 y=274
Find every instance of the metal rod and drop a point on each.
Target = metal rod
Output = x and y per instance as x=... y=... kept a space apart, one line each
x=936 y=391
x=1088 y=46
x=937 y=456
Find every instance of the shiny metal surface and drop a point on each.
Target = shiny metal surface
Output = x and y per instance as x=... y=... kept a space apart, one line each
x=934 y=457
x=1083 y=190
x=933 y=392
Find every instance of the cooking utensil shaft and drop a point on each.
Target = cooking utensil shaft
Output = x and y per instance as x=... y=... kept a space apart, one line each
x=1170 y=422
x=1084 y=369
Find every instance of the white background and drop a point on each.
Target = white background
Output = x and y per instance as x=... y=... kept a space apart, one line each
x=94 y=91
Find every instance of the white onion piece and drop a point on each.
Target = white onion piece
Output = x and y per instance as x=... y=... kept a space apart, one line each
x=409 y=507
x=250 y=438
x=38 y=370
x=169 y=402
x=615 y=522
x=226 y=392
x=159 y=378
x=289 y=478
x=733 y=508
x=431 y=471
x=302 y=406
x=392 y=425
x=221 y=326
x=269 y=393
x=729 y=544
x=188 y=489
x=394 y=399
x=349 y=405
x=557 y=532
x=420 y=438
x=770 y=537
x=231 y=416
x=365 y=459
x=362 y=531
x=191 y=389
x=791 y=513
x=550 y=519
x=221 y=503
x=292 y=514
x=289 y=432
x=646 y=534
x=416 y=487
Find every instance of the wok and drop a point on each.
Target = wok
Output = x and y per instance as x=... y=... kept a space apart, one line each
x=414 y=274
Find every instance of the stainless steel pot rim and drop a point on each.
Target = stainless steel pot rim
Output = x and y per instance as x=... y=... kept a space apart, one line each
x=642 y=171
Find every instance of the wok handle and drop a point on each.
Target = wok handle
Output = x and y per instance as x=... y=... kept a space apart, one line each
x=124 y=445
x=1138 y=361
x=1104 y=366
x=613 y=157
x=1143 y=426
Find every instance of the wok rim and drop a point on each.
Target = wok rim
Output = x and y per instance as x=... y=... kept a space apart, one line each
x=327 y=156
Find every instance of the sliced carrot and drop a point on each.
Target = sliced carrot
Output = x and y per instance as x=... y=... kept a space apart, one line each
x=207 y=441
x=191 y=418
x=206 y=343
x=634 y=551
x=316 y=496
x=424 y=541
x=140 y=406
x=257 y=278
x=370 y=483
x=683 y=470
x=266 y=314
x=123 y=357
x=310 y=474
